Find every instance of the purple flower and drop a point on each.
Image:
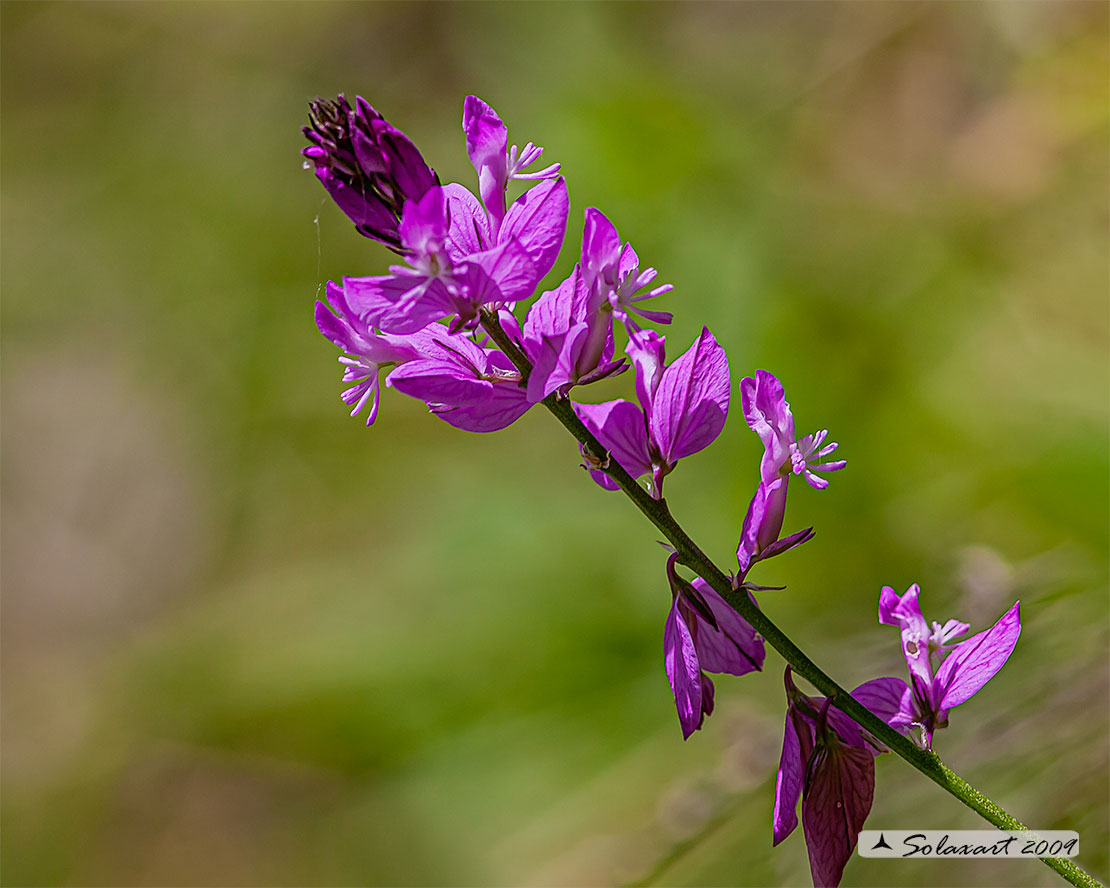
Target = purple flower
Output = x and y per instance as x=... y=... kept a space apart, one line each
x=703 y=633
x=536 y=221
x=369 y=167
x=487 y=140
x=557 y=340
x=768 y=414
x=612 y=274
x=964 y=667
x=829 y=762
x=472 y=388
x=682 y=409
x=367 y=351
x=435 y=286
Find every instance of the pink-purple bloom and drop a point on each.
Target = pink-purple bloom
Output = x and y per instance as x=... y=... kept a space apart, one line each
x=683 y=407
x=829 y=762
x=367 y=351
x=612 y=274
x=943 y=672
x=703 y=633
x=768 y=415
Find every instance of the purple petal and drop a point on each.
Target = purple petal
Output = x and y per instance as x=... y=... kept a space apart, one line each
x=691 y=403
x=788 y=784
x=906 y=613
x=468 y=230
x=401 y=303
x=787 y=543
x=601 y=245
x=440 y=382
x=424 y=223
x=505 y=404
x=734 y=646
x=890 y=699
x=974 y=662
x=647 y=349
x=538 y=219
x=683 y=672
x=619 y=426
x=840 y=787
x=487 y=139
x=505 y=273
x=769 y=416
x=407 y=168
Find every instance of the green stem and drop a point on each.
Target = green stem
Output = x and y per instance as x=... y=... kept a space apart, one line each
x=657 y=512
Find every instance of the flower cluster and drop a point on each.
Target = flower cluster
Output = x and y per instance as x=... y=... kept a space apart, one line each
x=428 y=325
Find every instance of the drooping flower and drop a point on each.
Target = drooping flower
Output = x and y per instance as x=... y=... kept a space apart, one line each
x=829 y=762
x=683 y=407
x=369 y=167
x=962 y=668
x=367 y=351
x=703 y=633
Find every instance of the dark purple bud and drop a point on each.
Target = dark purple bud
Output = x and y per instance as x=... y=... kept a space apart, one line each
x=369 y=167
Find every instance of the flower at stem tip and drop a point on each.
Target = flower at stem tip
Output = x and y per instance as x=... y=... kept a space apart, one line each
x=368 y=166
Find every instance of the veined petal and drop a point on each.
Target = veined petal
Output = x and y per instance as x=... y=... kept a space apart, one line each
x=400 y=304
x=691 y=402
x=505 y=273
x=647 y=349
x=891 y=700
x=468 y=230
x=538 y=220
x=424 y=223
x=974 y=662
x=619 y=426
x=734 y=646
x=440 y=382
x=840 y=788
x=505 y=404
x=683 y=672
x=788 y=784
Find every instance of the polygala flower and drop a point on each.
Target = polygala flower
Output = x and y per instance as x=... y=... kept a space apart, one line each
x=703 y=633
x=682 y=409
x=961 y=668
x=369 y=167
x=768 y=415
x=829 y=762
x=367 y=351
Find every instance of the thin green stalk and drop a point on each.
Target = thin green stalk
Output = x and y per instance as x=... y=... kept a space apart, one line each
x=657 y=512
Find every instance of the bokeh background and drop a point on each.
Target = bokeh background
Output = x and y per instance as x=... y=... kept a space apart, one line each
x=248 y=641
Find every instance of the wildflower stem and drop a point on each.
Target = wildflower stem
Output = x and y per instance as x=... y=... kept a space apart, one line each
x=658 y=513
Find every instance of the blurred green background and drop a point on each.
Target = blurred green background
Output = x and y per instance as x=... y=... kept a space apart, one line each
x=248 y=641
